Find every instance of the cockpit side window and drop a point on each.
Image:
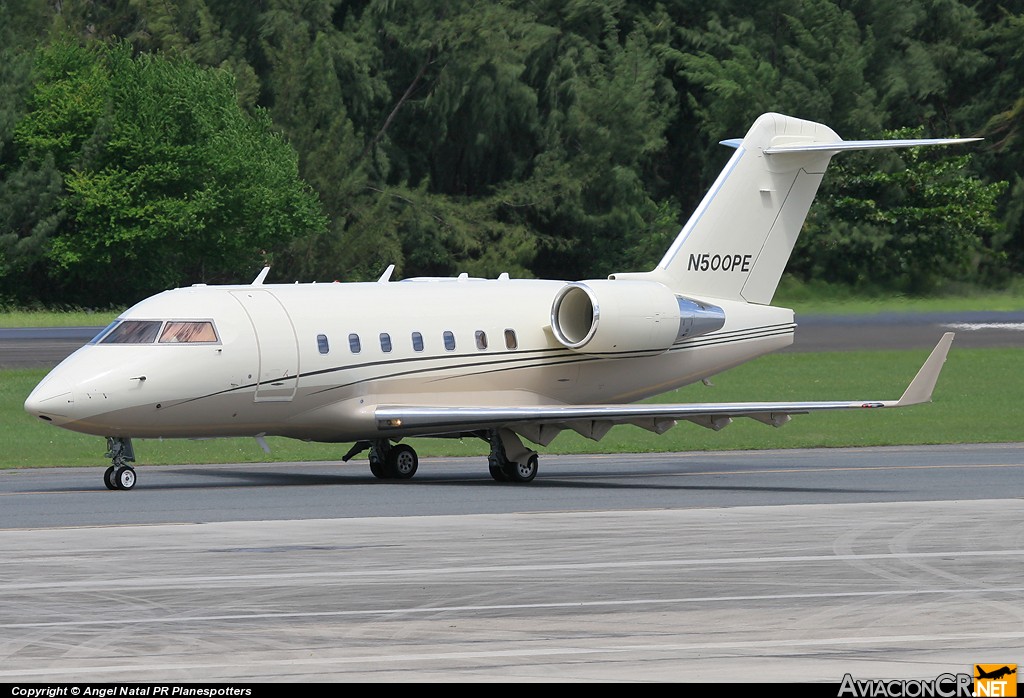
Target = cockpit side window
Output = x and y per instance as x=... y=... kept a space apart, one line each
x=188 y=332
x=133 y=332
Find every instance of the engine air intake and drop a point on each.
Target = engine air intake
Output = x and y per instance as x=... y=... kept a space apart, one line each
x=609 y=316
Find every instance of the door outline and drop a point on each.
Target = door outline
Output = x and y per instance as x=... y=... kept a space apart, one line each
x=277 y=347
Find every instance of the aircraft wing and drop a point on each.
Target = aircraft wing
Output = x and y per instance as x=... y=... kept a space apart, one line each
x=594 y=421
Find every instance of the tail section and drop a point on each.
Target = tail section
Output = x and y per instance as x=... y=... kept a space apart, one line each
x=737 y=243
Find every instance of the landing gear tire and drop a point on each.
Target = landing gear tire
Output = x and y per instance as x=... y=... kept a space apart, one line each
x=523 y=472
x=108 y=478
x=501 y=466
x=402 y=462
x=377 y=469
x=124 y=477
x=120 y=475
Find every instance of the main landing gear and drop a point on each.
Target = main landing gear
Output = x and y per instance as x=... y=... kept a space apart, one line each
x=387 y=461
x=120 y=475
x=510 y=460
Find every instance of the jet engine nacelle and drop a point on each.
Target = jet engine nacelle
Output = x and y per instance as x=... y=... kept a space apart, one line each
x=606 y=316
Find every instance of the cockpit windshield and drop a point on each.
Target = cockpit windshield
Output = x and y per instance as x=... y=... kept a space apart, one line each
x=103 y=332
x=133 y=332
x=158 y=331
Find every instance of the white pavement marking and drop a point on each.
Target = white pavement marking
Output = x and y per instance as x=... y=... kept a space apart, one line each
x=973 y=326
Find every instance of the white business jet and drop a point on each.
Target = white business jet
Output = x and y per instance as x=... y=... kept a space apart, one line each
x=499 y=359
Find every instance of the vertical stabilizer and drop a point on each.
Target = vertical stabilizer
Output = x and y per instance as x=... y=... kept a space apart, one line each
x=737 y=243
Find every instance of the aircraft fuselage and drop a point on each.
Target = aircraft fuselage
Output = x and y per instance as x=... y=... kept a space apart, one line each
x=311 y=361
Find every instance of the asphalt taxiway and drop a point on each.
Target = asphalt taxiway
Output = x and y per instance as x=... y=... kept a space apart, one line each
x=771 y=566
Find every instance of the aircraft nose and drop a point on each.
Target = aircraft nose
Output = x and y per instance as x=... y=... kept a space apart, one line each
x=52 y=400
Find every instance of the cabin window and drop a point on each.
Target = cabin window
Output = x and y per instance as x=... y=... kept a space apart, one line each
x=176 y=332
x=481 y=340
x=353 y=343
x=417 y=341
x=449 y=340
x=510 y=339
x=385 y=342
x=134 y=332
x=322 y=344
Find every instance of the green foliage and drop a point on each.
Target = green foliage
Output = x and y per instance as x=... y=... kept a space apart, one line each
x=554 y=139
x=612 y=113
x=1002 y=107
x=806 y=58
x=905 y=227
x=423 y=235
x=166 y=180
x=30 y=214
x=29 y=190
x=71 y=92
x=318 y=79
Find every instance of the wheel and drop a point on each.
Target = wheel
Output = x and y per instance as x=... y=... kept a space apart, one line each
x=497 y=472
x=124 y=477
x=108 y=479
x=523 y=472
x=402 y=462
x=378 y=470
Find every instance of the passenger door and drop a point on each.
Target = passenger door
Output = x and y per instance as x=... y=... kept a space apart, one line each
x=277 y=345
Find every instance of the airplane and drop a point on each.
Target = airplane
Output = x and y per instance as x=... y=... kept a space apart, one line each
x=995 y=674
x=373 y=363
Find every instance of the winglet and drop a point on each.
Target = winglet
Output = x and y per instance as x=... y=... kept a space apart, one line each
x=920 y=389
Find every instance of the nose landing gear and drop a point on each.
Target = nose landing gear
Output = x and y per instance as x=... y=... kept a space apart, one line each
x=120 y=475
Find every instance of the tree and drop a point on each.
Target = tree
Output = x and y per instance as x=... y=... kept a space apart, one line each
x=546 y=138
x=29 y=191
x=166 y=180
x=321 y=88
x=1001 y=109
x=902 y=225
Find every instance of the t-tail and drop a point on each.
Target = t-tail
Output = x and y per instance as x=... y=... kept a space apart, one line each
x=737 y=243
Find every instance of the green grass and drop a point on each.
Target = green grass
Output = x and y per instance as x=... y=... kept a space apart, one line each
x=977 y=400
x=55 y=318
x=827 y=299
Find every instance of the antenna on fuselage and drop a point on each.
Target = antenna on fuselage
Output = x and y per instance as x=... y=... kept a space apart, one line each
x=386 y=276
x=258 y=281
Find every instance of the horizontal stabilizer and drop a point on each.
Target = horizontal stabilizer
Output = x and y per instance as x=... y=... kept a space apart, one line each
x=840 y=146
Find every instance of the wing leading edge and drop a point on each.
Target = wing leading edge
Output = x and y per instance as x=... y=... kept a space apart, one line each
x=594 y=421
